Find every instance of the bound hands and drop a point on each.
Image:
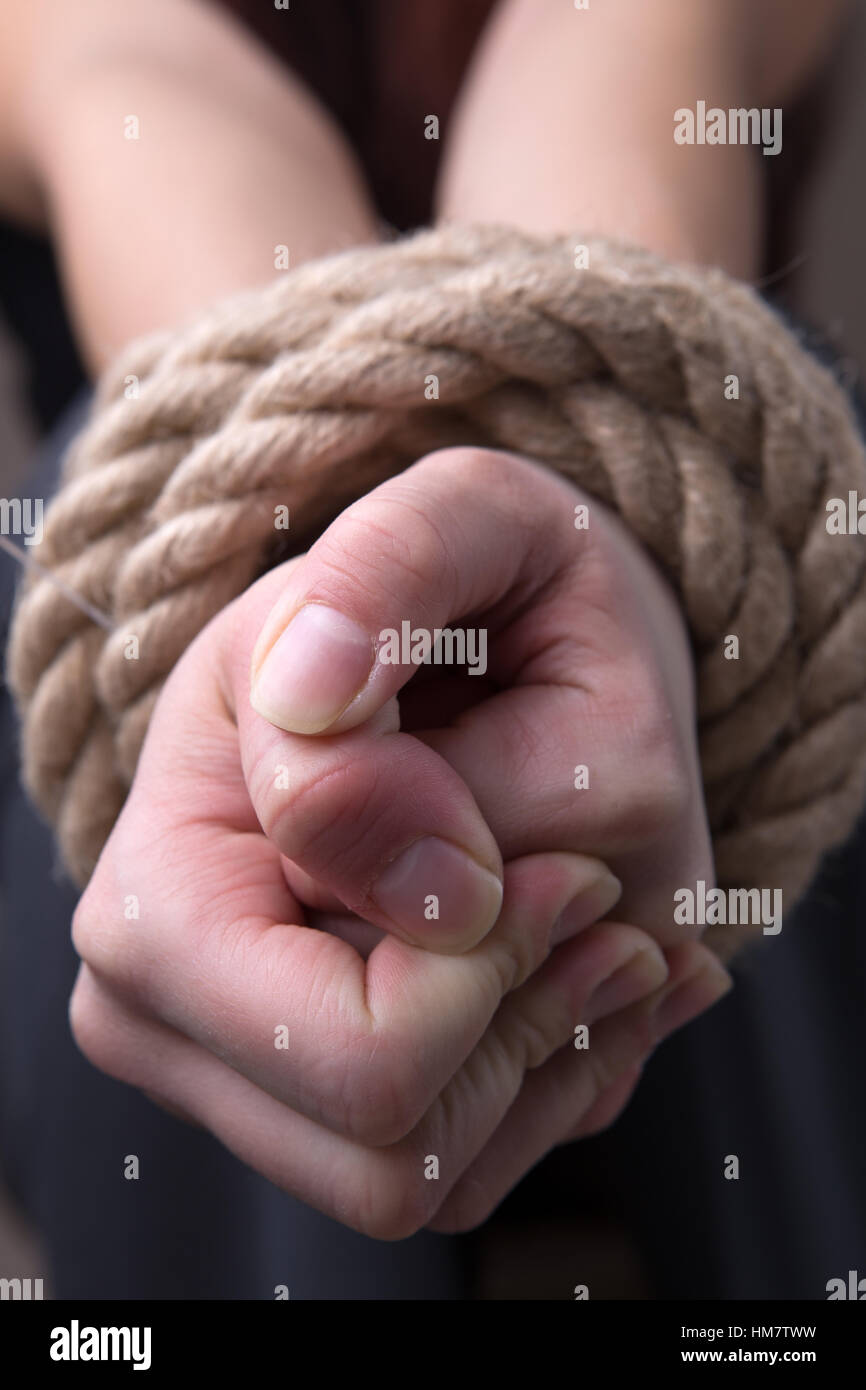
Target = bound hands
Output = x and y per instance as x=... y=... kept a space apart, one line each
x=370 y=897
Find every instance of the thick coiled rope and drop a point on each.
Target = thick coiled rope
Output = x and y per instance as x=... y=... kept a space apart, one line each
x=609 y=365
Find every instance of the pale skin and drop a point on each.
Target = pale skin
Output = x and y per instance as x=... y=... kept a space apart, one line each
x=407 y=1036
x=239 y=836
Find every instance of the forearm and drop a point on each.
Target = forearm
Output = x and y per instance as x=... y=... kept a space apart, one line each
x=232 y=159
x=567 y=120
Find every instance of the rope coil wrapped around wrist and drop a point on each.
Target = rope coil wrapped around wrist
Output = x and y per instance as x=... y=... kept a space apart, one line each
x=312 y=391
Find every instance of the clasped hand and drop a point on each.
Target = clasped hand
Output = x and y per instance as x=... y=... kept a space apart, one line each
x=378 y=917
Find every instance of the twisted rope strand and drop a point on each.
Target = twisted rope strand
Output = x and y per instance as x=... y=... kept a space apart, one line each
x=310 y=392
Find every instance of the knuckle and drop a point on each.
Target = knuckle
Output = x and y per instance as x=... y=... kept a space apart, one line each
x=536 y=1033
x=351 y=559
x=82 y=921
x=80 y=1017
x=657 y=731
x=90 y=1028
x=513 y=959
x=525 y=958
x=467 y=462
x=657 y=804
x=510 y=485
x=495 y=472
x=329 y=814
x=603 y=1072
x=92 y=935
x=382 y=1103
x=395 y=542
x=393 y=1199
x=661 y=796
x=626 y=1041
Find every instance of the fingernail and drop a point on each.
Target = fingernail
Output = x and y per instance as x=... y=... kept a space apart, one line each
x=691 y=998
x=645 y=972
x=313 y=671
x=435 y=890
x=591 y=903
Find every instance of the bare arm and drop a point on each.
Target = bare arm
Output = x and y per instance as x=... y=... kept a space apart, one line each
x=233 y=157
x=566 y=120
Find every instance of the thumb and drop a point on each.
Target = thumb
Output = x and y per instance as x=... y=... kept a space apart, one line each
x=377 y=819
x=412 y=556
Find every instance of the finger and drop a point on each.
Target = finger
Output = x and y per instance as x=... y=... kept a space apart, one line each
x=382 y=824
x=379 y=821
x=310 y=892
x=333 y=1174
x=603 y=970
x=461 y=531
x=594 y=780
x=362 y=1047
x=360 y=935
x=556 y=1099
x=381 y=1191
x=610 y=1104
x=599 y=892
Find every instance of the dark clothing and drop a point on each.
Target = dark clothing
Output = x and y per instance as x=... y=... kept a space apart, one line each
x=379 y=66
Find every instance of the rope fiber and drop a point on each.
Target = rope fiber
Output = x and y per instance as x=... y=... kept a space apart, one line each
x=311 y=391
